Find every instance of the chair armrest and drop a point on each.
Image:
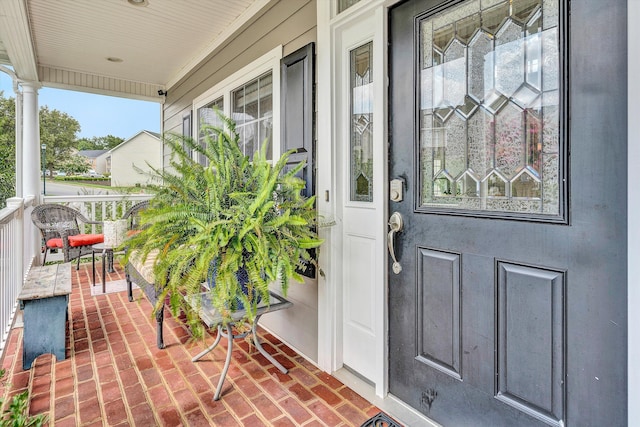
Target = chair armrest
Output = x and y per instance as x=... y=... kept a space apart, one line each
x=86 y=221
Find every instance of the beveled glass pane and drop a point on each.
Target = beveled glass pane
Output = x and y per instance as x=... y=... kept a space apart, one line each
x=455 y=145
x=550 y=183
x=492 y=18
x=466 y=27
x=509 y=58
x=442 y=37
x=550 y=123
x=524 y=9
x=442 y=186
x=526 y=184
x=490 y=108
x=550 y=13
x=468 y=186
x=480 y=72
x=480 y=128
x=496 y=185
x=533 y=139
x=455 y=74
x=361 y=134
x=550 y=59
x=509 y=140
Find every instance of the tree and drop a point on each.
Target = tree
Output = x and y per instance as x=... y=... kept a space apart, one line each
x=7 y=148
x=58 y=131
x=99 y=143
x=75 y=165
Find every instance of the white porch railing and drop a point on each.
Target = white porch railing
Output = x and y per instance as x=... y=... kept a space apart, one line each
x=20 y=245
x=16 y=256
x=99 y=207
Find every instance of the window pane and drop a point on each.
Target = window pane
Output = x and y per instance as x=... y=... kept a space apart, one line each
x=489 y=101
x=361 y=144
x=345 y=4
x=207 y=116
x=253 y=111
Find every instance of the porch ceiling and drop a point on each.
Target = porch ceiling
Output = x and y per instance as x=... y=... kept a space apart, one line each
x=66 y=43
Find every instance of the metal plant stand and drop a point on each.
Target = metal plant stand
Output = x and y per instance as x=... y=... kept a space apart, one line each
x=212 y=318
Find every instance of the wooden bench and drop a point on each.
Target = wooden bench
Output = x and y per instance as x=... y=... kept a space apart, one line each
x=44 y=299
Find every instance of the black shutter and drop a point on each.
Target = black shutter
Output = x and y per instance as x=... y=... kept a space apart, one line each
x=297 y=79
x=297 y=100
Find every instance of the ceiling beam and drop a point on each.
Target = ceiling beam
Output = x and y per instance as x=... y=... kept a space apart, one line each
x=15 y=33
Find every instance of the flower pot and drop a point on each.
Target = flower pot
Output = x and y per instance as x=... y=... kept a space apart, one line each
x=243 y=279
x=114 y=232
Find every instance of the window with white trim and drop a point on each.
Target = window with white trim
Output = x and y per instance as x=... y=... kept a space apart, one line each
x=250 y=97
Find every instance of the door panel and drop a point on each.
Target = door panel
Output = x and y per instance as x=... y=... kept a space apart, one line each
x=509 y=309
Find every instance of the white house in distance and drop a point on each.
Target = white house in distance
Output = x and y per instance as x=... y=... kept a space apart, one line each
x=130 y=160
x=96 y=159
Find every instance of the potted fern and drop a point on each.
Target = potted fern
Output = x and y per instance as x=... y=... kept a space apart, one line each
x=236 y=214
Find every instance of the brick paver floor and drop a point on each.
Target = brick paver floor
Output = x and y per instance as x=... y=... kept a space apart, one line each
x=115 y=375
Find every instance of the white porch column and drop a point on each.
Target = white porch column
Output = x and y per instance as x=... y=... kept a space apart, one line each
x=30 y=141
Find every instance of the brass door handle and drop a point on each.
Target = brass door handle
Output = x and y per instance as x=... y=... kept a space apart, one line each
x=395 y=225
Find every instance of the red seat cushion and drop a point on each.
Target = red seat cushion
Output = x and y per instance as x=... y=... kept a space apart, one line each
x=54 y=243
x=85 y=239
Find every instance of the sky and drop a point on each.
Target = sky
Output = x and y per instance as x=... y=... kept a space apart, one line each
x=98 y=115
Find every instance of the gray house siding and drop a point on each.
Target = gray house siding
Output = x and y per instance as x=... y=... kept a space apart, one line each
x=292 y=24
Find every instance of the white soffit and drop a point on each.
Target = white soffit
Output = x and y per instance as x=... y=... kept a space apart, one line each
x=157 y=43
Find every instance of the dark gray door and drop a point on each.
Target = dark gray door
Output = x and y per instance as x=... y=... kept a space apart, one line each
x=508 y=134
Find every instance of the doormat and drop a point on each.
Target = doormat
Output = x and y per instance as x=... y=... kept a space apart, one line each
x=380 y=420
x=111 y=287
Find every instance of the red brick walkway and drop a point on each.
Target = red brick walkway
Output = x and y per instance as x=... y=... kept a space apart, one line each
x=114 y=375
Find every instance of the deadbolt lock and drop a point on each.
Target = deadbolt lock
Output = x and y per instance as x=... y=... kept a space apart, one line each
x=396 y=190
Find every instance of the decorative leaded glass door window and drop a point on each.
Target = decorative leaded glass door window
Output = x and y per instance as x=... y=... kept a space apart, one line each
x=490 y=109
x=361 y=125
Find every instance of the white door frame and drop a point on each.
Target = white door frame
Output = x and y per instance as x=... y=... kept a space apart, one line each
x=331 y=186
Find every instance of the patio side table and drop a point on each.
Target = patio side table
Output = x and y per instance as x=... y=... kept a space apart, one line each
x=211 y=318
x=107 y=252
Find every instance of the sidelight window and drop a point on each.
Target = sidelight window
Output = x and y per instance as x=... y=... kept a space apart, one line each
x=361 y=124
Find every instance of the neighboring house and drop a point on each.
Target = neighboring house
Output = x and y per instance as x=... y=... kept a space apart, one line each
x=95 y=159
x=504 y=291
x=101 y=163
x=134 y=157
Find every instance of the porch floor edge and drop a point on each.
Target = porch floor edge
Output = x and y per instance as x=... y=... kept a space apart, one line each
x=390 y=404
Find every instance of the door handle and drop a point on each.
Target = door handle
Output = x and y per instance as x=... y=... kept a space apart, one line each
x=395 y=225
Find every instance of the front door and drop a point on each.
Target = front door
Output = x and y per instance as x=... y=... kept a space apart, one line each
x=507 y=305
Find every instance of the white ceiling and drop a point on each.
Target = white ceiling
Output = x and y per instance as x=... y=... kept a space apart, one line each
x=157 y=43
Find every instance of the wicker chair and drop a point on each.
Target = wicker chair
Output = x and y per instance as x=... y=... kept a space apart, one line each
x=133 y=215
x=59 y=227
